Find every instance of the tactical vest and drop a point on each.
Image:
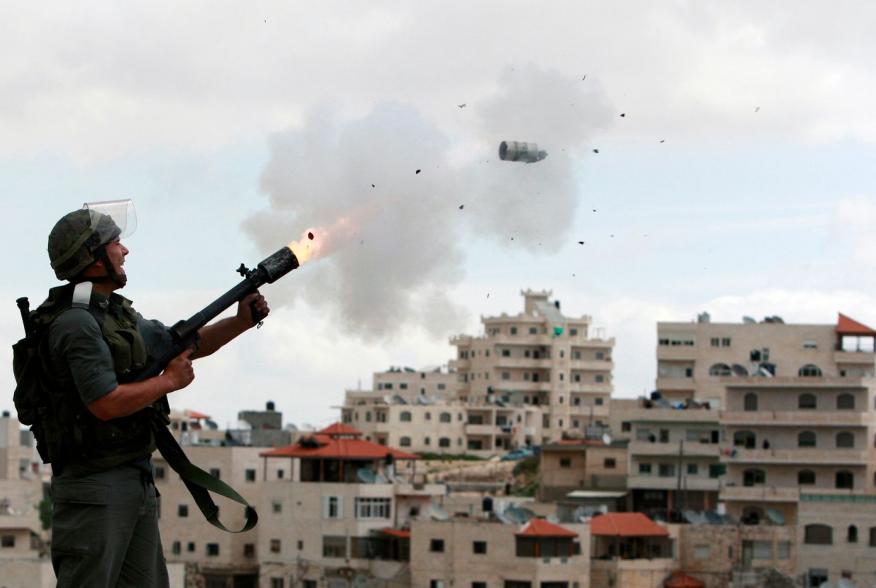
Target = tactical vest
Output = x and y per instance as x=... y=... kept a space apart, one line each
x=68 y=435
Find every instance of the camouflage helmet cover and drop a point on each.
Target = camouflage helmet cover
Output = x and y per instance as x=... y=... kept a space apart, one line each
x=76 y=238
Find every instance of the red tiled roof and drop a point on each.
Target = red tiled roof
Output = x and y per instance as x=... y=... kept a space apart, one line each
x=679 y=579
x=626 y=524
x=543 y=528
x=400 y=533
x=849 y=326
x=194 y=414
x=341 y=429
x=332 y=448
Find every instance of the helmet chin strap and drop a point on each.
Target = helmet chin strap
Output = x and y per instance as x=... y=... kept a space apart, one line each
x=112 y=276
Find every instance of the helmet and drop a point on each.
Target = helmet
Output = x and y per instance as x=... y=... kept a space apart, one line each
x=76 y=239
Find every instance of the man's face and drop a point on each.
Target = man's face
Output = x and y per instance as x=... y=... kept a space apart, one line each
x=116 y=253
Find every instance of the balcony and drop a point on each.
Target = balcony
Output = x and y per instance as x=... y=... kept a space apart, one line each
x=697 y=483
x=590 y=387
x=675 y=384
x=408 y=489
x=480 y=429
x=860 y=358
x=460 y=365
x=738 y=385
x=524 y=363
x=796 y=418
x=582 y=410
x=671 y=415
x=810 y=456
x=760 y=493
x=689 y=449
x=593 y=365
x=524 y=386
x=680 y=353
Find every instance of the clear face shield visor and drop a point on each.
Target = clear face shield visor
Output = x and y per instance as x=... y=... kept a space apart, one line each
x=121 y=211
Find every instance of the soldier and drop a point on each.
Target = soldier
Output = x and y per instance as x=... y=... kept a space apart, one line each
x=104 y=519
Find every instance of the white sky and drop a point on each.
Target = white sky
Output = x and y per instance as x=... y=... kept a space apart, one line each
x=759 y=202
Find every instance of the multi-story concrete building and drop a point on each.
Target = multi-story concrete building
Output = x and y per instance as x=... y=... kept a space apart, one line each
x=795 y=427
x=576 y=464
x=340 y=512
x=538 y=358
x=24 y=561
x=484 y=552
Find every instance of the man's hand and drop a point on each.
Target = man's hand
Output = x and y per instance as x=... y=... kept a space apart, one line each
x=179 y=373
x=245 y=306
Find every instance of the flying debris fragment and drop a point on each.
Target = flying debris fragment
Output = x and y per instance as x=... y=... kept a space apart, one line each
x=461 y=206
x=461 y=105
x=596 y=151
x=623 y=114
x=310 y=235
x=520 y=151
x=418 y=171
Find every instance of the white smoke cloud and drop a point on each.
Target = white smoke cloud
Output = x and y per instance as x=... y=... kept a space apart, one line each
x=412 y=205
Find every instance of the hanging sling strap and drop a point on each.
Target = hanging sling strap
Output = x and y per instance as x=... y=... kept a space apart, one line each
x=199 y=482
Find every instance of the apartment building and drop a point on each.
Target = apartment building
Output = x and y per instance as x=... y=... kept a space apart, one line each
x=538 y=358
x=338 y=511
x=573 y=465
x=485 y=552
x=796 y=428
x=24 y=557
x=528 y=379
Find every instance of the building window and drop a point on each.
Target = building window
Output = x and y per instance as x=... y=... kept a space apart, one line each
x=275 y=546
x=332 y=507
x=513 y=330
x=300 y=545
x=805 y=477
x=428 y=416
x=436 y=545
x=872 y=536
x=215 y=473
x=645 y=468
x=276 y=582
x=249 y=550
x=845 y=402
x=810 y=344
x=806 y=402
x=436 y=583
x=753 y=478
x=445 y=417
x=277 y=506
x=182 y=511
x=405 y=416
x=280 y=474
x=190 y=547
x=720 y=370
x=692 y=469
x=427 y=441
x=750 y=402
x=852 y=534
x=806 y=439
x=845 y=480
x=725 y=341
x=845 y=440
x=159 y=473
x=478 y=585
x=666 y=470
x=444 y=442
x=600 y=378
x=565 y=462
x=715 y=342
x=821 y=535
x=334 y=546
x=176 y=548
x=212 y=549
x=598 y=401
x=373 y=508
x=809 y=371
x=609 y=463
x=250 y=475
x=626 y=427
x=479 y=547
x=405 y=442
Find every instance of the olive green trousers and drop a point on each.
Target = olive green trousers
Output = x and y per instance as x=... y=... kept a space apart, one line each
x=105 y=530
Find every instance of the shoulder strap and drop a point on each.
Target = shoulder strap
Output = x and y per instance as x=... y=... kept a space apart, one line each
x=199 y=482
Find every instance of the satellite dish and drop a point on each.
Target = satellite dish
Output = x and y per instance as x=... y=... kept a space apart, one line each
x=366 y=476
x=361 y=581
x=437 y=513
x=606 y=439
x=739 y=370
x=387 y=399
x=775 y=516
